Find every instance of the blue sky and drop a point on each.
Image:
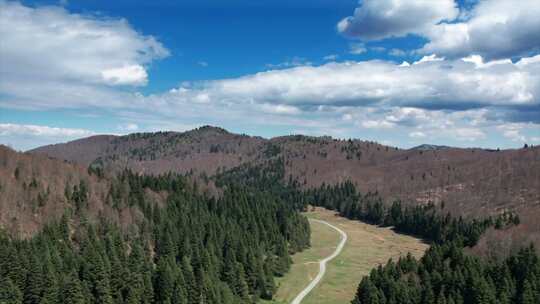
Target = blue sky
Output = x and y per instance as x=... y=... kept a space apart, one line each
x=399 y=72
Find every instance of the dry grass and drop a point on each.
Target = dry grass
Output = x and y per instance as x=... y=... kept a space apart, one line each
x=367 y=247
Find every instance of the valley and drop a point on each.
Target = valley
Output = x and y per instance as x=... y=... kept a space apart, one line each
x=225 y=218
x=270 y=152
x=367 y=247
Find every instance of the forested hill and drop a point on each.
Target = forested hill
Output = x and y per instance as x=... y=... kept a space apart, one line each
x=470 y=182
x=184 y=246
x=96 y=237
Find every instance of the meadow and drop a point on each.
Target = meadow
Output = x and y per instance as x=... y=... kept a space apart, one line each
x=367 y=247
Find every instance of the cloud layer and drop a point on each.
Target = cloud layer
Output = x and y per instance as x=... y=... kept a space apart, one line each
x=493 y=29
x=430 y=83
x=86 y=62
x=379 y=19
x=30 y=136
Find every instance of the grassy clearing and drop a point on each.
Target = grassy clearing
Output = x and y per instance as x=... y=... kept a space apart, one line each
x=306 y=264
x=367 y=247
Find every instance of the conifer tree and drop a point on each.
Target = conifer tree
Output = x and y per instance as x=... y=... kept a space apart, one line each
x=72 y=291
x=9 y=292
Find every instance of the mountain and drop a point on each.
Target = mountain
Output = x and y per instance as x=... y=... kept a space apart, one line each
x=85 y=202
x=206 y=149
x=428 y=147
x=469 y=181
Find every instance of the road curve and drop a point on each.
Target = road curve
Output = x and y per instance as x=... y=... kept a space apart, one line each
x=322 y=263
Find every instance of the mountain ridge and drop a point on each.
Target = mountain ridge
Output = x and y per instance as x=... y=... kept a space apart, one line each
x=467 y=180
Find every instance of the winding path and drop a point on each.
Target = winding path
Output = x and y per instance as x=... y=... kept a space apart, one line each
x=322 y=263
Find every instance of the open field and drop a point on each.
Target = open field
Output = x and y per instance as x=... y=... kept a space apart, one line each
x=305 y=264
x=367 y=247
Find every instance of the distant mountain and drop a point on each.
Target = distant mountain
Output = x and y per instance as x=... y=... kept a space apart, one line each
x=428 y=147
x=471 y=182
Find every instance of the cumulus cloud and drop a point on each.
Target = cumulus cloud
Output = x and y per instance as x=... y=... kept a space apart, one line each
x=441 y=99
x=132 y=74
x=47 y=46
x=357 y=48
x=517 y=132
x=379 y=19
x=431 y=83
x=493 y=29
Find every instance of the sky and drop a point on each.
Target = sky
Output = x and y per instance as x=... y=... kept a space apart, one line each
x=400 y=72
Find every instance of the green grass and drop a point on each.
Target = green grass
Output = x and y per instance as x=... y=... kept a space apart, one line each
x=366 y=248
x=305 y=264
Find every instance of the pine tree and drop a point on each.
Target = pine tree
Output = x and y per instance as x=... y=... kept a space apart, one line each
x=9 y=292
x=72 y=291
x=165 y=281
x=528 y=295
x=35 y=282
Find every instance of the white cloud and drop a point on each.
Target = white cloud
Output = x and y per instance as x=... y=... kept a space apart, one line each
x=417 y=134
x=397 y=53
x=26 y=137
x=466 y=134
x=279 y=109
x=128 y=127
x=347 y=117
x=203 y=63
x=331 y=57
x=293 y=62
x=357 y=48
x=132 y=74
x=379 y=19
x=430 y=58
x=48 y=47
x=377 y=124
x=436 y=83
x=528 y=60
x=517 y=132
x=479 y=61
x=7 y=129
x=493 y=29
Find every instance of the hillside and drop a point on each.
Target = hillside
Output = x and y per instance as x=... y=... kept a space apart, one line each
x=469 y=181
x=110 y=210
x=73 y=235
x=206 y=149
x=36 y=190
